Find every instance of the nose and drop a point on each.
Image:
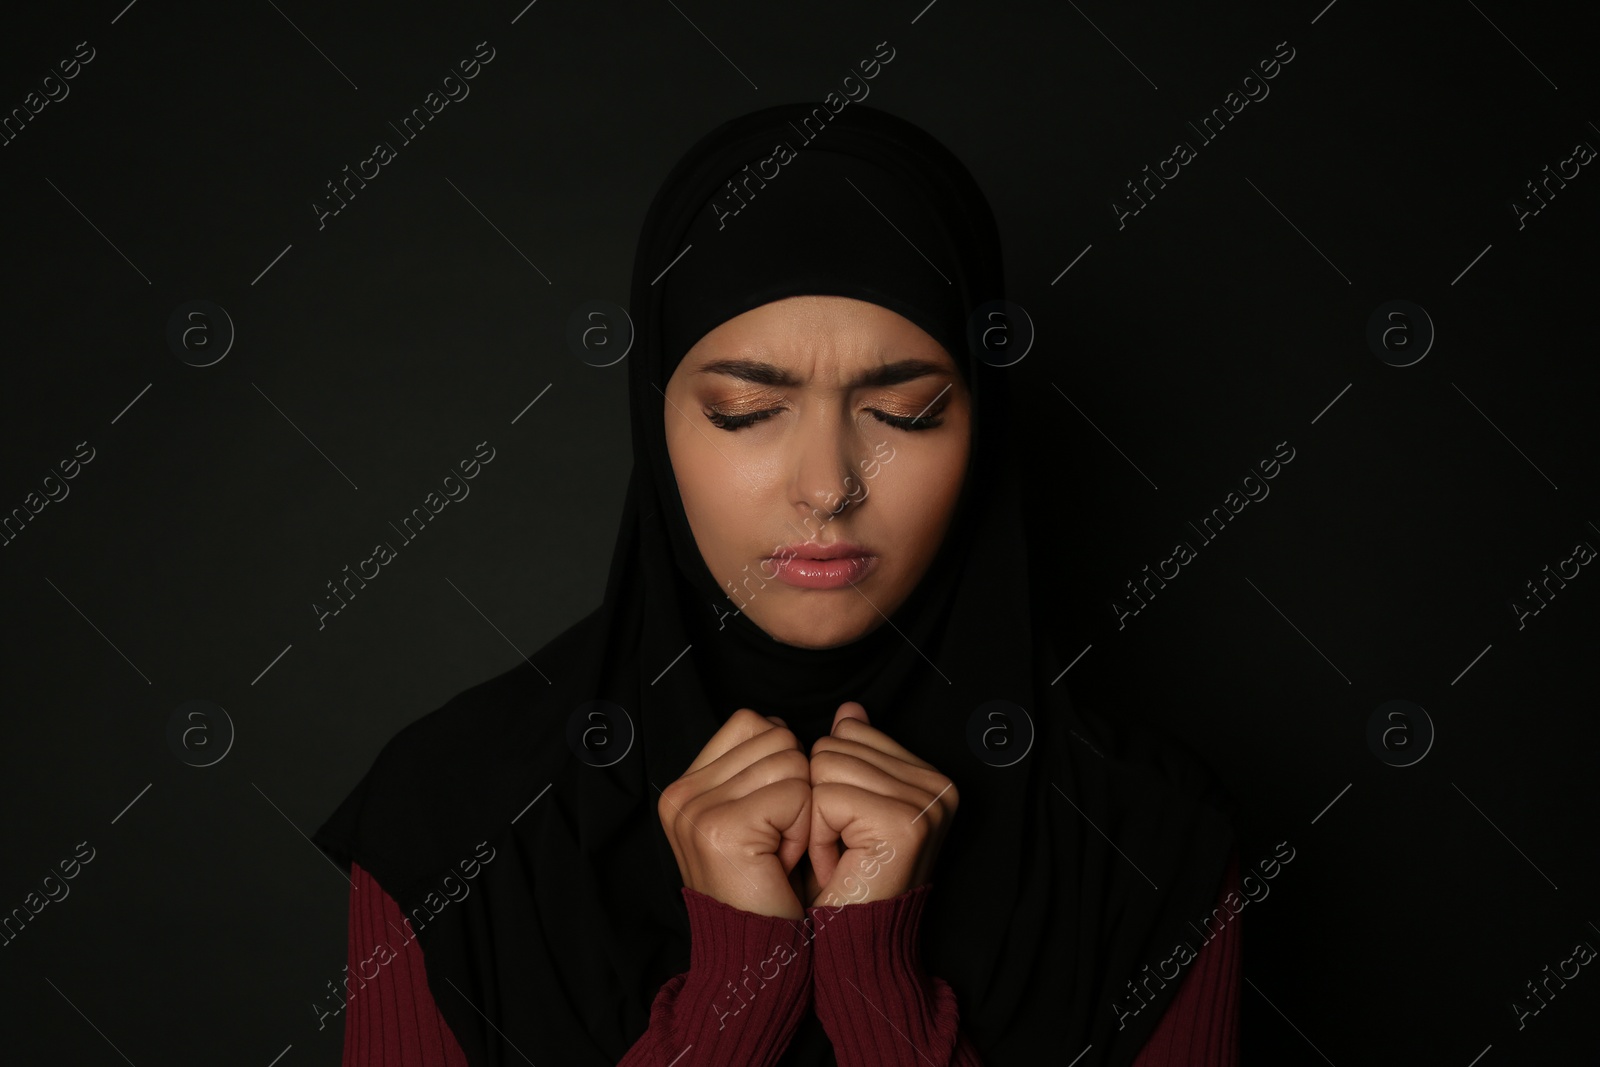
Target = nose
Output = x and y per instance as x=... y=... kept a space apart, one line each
x=825 y=481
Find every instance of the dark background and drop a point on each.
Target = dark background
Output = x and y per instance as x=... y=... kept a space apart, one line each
x=1175 y=354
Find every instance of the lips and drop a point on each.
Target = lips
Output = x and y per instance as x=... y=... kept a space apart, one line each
x=812 y=550
x=812 y=566
x=822 y=573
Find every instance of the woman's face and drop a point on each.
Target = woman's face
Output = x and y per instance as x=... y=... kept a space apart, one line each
x=776 y=426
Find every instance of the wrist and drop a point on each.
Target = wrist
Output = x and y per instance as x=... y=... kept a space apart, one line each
x=868 y=969
x=749 y=977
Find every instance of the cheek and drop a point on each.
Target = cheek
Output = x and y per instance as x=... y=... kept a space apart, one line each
x=710 y=491
x=916 y=493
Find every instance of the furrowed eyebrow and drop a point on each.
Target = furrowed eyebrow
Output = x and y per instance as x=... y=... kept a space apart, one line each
x=760 y=373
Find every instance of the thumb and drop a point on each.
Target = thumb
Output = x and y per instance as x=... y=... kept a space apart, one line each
x=850 y=709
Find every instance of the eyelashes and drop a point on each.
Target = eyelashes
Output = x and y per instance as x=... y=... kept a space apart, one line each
x=732 y=423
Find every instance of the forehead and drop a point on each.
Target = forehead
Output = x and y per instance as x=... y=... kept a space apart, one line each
x=788 y=341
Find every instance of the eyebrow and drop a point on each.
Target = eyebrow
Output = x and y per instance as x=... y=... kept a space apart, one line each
x=760 y=373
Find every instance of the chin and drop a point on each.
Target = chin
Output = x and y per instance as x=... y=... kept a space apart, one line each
x=828 y=630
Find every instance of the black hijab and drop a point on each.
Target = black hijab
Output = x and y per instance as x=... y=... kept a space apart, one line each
x=1067 y=869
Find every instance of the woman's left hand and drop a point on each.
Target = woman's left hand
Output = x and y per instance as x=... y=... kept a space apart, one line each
x=878 y=814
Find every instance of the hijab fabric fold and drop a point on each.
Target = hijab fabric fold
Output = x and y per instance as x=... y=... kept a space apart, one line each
x=1067 y=868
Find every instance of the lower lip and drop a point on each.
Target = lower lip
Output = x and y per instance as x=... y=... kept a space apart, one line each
x=822 y=573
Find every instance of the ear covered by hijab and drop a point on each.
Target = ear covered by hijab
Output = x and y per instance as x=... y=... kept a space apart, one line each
x=1039 y=918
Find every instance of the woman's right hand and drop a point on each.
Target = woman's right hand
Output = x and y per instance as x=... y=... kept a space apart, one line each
x=739 y=819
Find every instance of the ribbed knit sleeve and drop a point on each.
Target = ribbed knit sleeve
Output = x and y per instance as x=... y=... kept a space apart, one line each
x=873 y=999
x=741 y=1001
x=750 y=981
x=390 y=1017
x=1201 y=1026
x=880 y=1008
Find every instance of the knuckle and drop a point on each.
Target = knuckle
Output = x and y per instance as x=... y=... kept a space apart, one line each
x=793 y=763
x=716 y=832
x=795 y=789
x=748 y=716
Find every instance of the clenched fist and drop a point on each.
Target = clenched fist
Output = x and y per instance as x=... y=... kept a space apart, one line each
x=758 y=826
x=739 y=819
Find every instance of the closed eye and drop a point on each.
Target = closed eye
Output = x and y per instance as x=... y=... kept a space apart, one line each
x=733 y=423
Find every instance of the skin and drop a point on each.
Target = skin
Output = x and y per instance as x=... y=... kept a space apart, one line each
x=755 y=822
x=823 y=467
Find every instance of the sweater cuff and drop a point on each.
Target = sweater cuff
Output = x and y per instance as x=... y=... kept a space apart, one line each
x=873 y=998
x=746 y=990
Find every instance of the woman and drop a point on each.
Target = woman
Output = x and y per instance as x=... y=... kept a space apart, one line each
x=704 y=824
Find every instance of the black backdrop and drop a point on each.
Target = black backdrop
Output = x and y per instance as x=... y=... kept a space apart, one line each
x=363 y=354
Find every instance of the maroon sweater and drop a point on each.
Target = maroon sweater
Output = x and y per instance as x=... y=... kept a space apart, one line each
x=866 y=971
